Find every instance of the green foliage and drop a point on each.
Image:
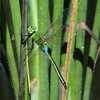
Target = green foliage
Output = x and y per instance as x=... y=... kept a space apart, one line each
x=40 y=79
x=5 y=89
x=11 y=29
x=56 y=48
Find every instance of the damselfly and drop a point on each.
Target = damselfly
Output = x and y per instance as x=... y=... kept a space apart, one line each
x=43 y=45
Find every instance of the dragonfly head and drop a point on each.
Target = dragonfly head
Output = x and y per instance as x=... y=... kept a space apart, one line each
x=32 y=30
x=45 y=43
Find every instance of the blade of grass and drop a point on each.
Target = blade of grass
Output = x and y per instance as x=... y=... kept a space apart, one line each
x=13 y=17
x=38 y=61
x=70 y=42
x=43 y=23
x=16 y=22
x=24 y=74
x=5 y=89
x=34 y=56
x=89 y=87
x=76 y=92
x=12 y=64
x=76 y=67
x=56 y=48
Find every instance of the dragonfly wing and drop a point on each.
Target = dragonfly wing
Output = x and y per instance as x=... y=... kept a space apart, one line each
x=51 y=33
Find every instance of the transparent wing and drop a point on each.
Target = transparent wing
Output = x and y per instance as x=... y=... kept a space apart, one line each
x=49 y=33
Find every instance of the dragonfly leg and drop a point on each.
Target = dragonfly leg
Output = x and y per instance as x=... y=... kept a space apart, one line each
x=26 y=38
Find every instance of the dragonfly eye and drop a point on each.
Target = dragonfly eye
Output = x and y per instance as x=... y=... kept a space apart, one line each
x=32 y=29
x=45 y=43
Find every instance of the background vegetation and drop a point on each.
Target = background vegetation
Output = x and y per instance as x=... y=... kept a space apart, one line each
x=26 y=72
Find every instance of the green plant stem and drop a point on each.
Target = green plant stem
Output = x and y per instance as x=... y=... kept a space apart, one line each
x=56 y=47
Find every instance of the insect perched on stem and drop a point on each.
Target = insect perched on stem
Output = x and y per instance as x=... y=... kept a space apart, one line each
x=43 y=45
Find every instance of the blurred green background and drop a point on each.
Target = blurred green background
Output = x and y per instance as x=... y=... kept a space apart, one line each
x=26 y=72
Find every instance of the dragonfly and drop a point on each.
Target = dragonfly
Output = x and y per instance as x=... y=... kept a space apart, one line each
x=43 y=45
x=41 y=41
